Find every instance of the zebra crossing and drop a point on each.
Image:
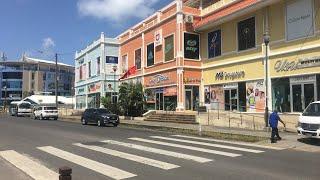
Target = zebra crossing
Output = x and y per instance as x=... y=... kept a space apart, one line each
x=35 y=169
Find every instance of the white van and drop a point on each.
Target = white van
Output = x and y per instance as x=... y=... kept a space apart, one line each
x=309 y=121
x=20 y=108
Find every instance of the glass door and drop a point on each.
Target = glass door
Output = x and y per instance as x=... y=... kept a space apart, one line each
x=159 y=101
x=296 y=98
x=227 y=100
x=309 y=94
x=234 y=99
x=188 y=97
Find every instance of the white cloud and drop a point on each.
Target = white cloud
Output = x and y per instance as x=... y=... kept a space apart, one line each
x=48 y=43
x=116 y=10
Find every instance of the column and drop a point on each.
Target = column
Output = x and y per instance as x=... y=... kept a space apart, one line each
x=179 y=59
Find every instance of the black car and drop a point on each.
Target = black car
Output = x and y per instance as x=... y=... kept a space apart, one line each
x=99 y=116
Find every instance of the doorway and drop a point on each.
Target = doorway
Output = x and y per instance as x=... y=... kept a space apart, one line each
x=231 y=99
x=159 y=101
x=302 y=95
x=189 y=99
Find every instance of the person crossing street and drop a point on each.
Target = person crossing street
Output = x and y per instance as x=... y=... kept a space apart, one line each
x=273 y=122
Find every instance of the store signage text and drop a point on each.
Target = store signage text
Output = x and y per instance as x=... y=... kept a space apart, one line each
x=80 y=90
x=192 y=80
x=230 y=75
x=285 y=65
x=158 y=79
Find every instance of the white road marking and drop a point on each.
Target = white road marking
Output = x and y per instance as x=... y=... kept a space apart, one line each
x=187 y=147
x=209 y=144
x=230 y=142
x=98 y=167
x=28 y=166
x=139 y=159
x=160 y=151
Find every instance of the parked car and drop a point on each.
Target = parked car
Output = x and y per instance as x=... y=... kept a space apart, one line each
x=99 y=116
x=309 y=121
x=45 y=112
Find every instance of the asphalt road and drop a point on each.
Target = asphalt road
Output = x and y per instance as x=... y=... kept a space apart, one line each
x=33 y=148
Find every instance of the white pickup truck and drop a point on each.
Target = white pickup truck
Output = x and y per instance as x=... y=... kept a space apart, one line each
x=309 y=121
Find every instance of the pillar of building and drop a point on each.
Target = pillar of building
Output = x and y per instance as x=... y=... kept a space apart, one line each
x=180 y=58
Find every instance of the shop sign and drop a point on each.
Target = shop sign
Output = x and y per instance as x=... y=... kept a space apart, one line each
x=299 y=19
x=80 y=90
x=94 y=87
x=230 y=86
x=158 y=79
x=170 y=91
x=111 y=60
x=230 y=75
x=192 y=80
x=303 y=79
x=191 y=46
x=285 y=65
x=158 y=38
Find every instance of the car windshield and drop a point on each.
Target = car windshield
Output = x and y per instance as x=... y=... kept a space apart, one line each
x=312 y=110
x=25 y=106
x=103 y=111
x=50 y=108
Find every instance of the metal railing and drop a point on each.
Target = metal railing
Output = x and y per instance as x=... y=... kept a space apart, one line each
x=170 y=109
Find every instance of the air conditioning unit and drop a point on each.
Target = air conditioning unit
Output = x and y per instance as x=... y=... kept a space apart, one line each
x=189 y=19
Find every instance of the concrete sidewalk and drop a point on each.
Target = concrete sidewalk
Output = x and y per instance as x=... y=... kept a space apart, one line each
x=289 y=140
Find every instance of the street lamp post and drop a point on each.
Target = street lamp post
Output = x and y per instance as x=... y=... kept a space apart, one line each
x=266 y=39
x=114 y=68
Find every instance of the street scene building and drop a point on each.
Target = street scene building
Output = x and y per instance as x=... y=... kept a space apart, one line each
x=28 y=76
x=233 y=54
x=97 y=72
x=164 y=52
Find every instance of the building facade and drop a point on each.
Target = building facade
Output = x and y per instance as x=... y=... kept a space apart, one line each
x=164 y=51
x=19 y=79
x=97 y=72
x=233 y=54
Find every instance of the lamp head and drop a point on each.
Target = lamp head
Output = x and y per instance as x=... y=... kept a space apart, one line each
x=266 y=38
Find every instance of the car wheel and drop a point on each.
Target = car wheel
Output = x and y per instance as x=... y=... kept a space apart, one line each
x=100 y=123
x=55 y=118
x=83 y=121
x=115 y=125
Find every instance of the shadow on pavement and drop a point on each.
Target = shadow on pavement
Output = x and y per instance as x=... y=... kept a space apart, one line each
x=310 y=141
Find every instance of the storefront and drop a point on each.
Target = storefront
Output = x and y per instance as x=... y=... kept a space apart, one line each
x=297 y=84
x=81 y=97
x=192 y=81
x=94 y=95
x=233 y=88
x=161 y=91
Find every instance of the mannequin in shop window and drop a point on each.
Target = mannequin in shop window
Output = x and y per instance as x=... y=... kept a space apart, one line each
x=279 y=101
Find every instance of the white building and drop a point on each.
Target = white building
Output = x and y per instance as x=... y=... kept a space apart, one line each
x=96 y=72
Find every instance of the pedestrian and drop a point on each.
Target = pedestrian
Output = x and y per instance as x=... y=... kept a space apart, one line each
x=273 y=122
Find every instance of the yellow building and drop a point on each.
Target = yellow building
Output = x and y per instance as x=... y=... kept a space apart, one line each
x=233 y=54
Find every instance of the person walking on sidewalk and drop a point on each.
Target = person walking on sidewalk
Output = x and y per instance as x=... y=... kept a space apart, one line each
x=273 y=122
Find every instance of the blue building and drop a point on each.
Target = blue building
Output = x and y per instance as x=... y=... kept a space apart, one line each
x=96 y=72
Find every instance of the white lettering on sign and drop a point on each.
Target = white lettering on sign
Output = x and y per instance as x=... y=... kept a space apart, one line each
x=285 y=65
x=158 y=79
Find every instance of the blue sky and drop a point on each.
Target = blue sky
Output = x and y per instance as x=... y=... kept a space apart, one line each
x=65 y=26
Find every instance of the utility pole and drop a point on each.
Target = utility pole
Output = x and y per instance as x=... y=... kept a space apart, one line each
x=56 y=80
